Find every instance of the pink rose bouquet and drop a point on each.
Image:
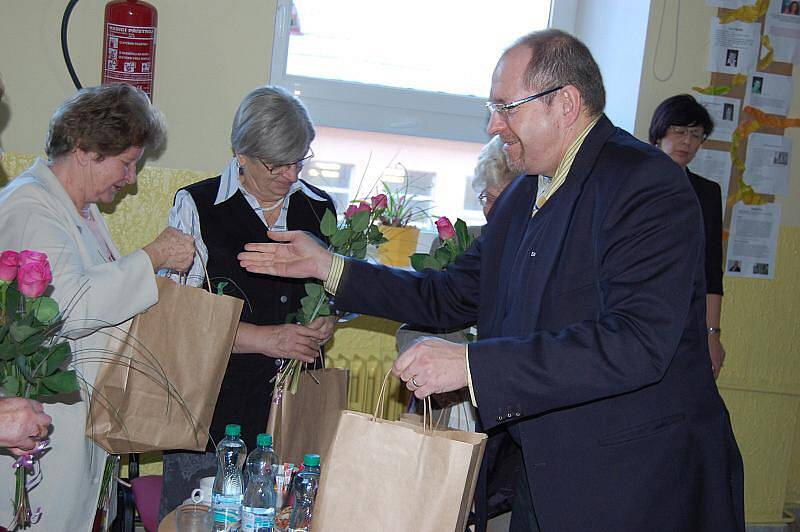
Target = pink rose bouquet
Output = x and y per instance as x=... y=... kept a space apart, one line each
x=455 y=240
x=32 y=353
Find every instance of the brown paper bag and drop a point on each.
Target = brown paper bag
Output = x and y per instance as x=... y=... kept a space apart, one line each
x=395 y=476
x=160 y=390
x=305 y=422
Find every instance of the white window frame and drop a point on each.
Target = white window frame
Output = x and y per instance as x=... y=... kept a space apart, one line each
x=391 y=110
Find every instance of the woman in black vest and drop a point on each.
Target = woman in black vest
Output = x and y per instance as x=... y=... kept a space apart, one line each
x=259 y=190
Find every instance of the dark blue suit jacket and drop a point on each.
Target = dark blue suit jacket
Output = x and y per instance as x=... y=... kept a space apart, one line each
x=598 y=354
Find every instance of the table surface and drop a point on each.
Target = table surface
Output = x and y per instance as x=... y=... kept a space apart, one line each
x=168 y=524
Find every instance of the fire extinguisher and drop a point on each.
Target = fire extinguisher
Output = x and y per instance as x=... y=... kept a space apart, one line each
x=129 y=44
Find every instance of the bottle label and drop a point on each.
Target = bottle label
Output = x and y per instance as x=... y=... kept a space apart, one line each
x=227 y=509
x=258 y=519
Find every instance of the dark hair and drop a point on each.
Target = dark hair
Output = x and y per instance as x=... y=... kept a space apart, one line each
x=106 y=120
x=680 y=110
x=557 y=59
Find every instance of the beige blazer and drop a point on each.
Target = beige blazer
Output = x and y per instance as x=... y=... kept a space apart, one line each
x=99 y=297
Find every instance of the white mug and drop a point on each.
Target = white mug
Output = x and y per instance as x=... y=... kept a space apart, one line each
x=203 y=493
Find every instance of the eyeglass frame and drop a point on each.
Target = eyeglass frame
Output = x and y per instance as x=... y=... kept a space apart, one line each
x=503 y=108
x=279 y=168
x=484 y=198
x=687 y=132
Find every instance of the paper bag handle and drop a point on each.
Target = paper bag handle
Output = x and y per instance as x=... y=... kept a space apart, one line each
x=427 y=408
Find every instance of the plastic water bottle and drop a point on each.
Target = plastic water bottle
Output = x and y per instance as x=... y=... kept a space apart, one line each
x=226 y=496
x=304 y=492
x=258 y=507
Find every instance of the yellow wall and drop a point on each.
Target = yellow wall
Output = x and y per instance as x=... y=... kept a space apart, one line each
x=761 y=378
x=209 y=54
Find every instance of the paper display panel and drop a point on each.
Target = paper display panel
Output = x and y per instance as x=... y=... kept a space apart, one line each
x=753 y=240
x=724 y=112
x=734 y=47
x=770 y=93
x=728 y=4
x=714 y=165
x=767 y=164
x=782 y=26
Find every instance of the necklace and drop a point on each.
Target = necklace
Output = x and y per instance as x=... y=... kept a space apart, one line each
x=273 y=207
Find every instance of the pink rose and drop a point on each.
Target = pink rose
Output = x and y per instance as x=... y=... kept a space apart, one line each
x=351 y=210
x=364 y=206
x=34 y=278
x=9 y=262
x=27 y=256
x=380 y=201
x=445 y=228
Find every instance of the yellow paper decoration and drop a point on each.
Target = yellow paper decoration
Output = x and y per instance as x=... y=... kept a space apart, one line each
x=771 y=120
x=746 y=13
x=713 y=90
x=766 y=61
x=740 y=133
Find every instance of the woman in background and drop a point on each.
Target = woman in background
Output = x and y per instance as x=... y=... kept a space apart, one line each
x=259 y=190
x=93 y=145
x=679 y=127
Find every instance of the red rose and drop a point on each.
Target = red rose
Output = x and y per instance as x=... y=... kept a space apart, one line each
x=445 y=228
x=27 y=256
x=9 y=263
x=363 y=206
x=351 y=210
x=380 y=201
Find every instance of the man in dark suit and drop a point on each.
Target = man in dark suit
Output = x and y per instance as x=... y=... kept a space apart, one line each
x=589 y=294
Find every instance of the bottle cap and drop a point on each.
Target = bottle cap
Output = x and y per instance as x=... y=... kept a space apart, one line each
x=233 y=430
x=311 y=460
x=264 y=440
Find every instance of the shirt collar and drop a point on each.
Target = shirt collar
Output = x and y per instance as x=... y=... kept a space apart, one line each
x=230 y=183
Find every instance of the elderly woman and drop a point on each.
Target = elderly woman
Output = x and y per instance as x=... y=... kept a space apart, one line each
x=258 y=190
x=679 y=127
x=94 y=142
x=492 y=174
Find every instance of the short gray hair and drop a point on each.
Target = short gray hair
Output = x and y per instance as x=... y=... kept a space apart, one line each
x=273 y=125
x=557 y=59
x=492 y=169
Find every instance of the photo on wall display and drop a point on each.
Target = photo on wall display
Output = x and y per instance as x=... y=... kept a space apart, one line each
x=734 y=47
x=724 y=112
x=771 y=93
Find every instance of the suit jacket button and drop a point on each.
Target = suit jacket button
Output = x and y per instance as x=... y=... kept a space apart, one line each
x=284 y=299
x=518 y=414
x=509 y=414
x=499 y=418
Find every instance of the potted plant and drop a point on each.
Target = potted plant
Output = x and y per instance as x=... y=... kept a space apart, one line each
x=401 y=209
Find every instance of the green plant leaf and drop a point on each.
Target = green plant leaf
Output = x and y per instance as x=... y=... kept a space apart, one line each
x=32 y=343
x=3 y=332
x=20 y=332
x=8 y=351
x=359 y=254
x=22 y=366
x=61 y=382
x=462 y=233
x=314 y=289
x=10 y=386
x=45 y=309
x=417 y=261
x=443 y=255
x=328 y=224
x=339 y=238
x=56 y=356
x=13 y=303
x=360 y=221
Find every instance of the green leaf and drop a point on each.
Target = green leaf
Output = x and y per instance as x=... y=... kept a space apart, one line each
x=328 y=224
x=462 y=234
x=32 y=343
x=56 y=356
x=20 y=332
x=8 y=351
x=61 y=382
x=11 y=386
x=314 y=289
x=417 y=261
x=22 y=366
x=359 y=254
x=358 y=246
x=339 y=238
x=431 y=263
x=3 y=332
x=13 y=303
x=360 y=221
x=443 y=255
x=45 y=309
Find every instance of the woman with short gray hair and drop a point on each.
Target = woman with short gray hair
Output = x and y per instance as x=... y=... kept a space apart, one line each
x=259 y=190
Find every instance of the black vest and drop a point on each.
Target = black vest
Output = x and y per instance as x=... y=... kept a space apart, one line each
x=246 y=391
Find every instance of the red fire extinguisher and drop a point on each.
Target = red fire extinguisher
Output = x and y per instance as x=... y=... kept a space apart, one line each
x=129 y=44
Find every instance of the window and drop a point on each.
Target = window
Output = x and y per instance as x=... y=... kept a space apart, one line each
x=411 y=68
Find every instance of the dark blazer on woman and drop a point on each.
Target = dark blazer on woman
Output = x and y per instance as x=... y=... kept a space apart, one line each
x=710 y=197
